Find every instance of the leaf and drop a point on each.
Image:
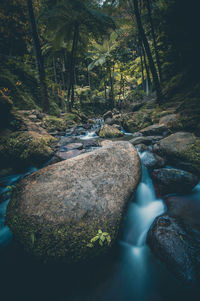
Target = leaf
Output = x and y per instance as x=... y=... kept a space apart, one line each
x=90 y=245
x=101 y=243
x=94 y=238
x=102 y=238
x=105 y=233
x=100 y=231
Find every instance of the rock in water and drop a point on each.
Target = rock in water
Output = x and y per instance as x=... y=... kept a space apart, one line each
x=172 y=180
x=109 y=131
x=55 y=212
x=177 y=244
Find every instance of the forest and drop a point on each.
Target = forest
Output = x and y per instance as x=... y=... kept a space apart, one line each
x=99 y=150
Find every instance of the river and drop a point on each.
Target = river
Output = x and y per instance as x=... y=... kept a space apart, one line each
x=130 y=273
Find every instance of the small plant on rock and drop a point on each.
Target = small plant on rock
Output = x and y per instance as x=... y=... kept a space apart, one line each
x=101 y=237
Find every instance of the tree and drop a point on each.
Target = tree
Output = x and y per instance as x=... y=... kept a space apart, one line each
x=148 y=52
x=72 y=22
x=101 y=55
x=39 y=58
x=154 y=38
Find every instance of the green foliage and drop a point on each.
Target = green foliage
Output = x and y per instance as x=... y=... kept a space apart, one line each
x=101 y=238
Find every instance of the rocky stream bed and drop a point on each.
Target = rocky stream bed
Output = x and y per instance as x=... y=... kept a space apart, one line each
x=91 y=184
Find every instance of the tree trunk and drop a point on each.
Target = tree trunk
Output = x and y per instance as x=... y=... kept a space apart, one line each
x=72 y=66
x=146 y=67
x=154 y=39
x=39 y=58
x=111 y=96
x=142 y=68
x=148 y=52
x=54 y=70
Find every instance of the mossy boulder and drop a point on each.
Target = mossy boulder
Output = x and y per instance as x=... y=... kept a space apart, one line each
x=55 y=212
x=181 y=149
x=23 y=149
x=109 y=131
x=136 y=121
x=54 y=124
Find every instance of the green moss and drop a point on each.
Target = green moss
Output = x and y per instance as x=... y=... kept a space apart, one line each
x=192 y=155
x=53 y=123
x=21 y=149
x=137 y=121
x=109 y=132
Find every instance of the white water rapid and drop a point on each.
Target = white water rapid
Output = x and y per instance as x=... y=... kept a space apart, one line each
x=142 y=212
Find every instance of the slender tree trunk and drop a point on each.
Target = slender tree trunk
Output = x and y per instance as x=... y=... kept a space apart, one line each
x=39 y=58
x=72 y=66
x=54 y=70
x=111 y=88
x=146 y=67
x=154 y=39
x=142 y=69
x=148 y=52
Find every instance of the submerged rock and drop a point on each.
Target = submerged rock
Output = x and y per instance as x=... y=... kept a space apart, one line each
x=181 y=149
x=171 y=180
x=55 y=212
x=177 y=244
x=108 y=131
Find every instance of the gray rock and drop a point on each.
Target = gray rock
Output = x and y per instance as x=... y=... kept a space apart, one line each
x=176 y=244
x=141 y=147
x=72 y=146
x=181 y=149
x=145 y=140
x=56 y=211
x=155 y=129
x=152 y=161
x=171 y=180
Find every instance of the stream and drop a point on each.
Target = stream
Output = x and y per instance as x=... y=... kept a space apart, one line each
x=130 y=273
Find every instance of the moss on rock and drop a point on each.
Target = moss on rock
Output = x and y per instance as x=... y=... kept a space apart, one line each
x=53 y=123
x=108 y=131
x=22 y=149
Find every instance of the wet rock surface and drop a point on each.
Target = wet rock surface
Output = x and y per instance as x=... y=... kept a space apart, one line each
x=145 y=140
x=171 y=180
x=152 y=161
x=57 y=210
x=177 y=244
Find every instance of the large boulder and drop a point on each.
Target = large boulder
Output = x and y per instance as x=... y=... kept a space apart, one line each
x=109 y=131
x=172 y=180
x=55 y=212
x=181 y=149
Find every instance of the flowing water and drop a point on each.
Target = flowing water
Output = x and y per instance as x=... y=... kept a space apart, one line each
x=131 y=273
